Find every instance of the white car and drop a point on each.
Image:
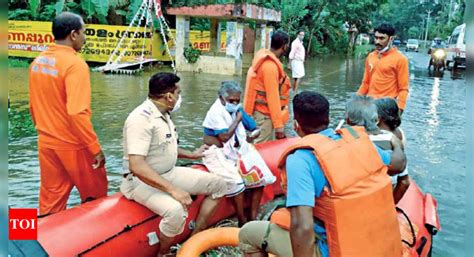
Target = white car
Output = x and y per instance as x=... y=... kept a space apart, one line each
x=457 y=48
x=412 y=44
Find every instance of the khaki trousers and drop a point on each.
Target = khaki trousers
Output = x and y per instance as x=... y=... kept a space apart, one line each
x=267 y=132
x=195 y=182
x=252 y=236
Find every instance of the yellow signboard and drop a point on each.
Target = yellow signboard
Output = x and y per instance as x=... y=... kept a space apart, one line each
x=29 y=38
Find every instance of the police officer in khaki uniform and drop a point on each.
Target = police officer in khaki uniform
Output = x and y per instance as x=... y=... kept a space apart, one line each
x=151 y=150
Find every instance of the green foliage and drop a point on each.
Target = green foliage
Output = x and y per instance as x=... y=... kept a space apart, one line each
x=201 y=24
x=121 y=12
x=118 y=3
x=293 y=12
x=409 y=17
x=14 y=62
x=276 y=4
x=47 y=12
x=59 y=6
x=96 y=9
x=132 y=9
x=19 y=14
x=88 y=8
x=20 y=124
x=102 y=9
x=326 y=21
x=192 y=55
x=413 y=32
x=34 y=6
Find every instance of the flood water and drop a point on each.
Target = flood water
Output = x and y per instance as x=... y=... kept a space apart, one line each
x=433 y=122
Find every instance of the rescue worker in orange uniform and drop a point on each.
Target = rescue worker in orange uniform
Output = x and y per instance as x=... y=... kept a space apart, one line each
x=386 y=69
x=267 y=89
x=60 y=97
x=331 y=178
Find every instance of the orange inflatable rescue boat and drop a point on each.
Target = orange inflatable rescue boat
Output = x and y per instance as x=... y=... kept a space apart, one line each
x=115 y=226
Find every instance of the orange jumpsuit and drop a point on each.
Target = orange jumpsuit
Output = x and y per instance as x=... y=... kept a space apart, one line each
x=386 y=75
x=60 y=94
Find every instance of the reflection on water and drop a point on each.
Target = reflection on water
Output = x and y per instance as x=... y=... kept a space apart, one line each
x=433 y=122
x=434 y=103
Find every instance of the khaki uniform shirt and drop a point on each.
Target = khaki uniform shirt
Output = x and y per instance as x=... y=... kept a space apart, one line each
x=149 y=133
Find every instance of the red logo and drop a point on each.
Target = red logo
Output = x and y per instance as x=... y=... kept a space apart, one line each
x=22 y=224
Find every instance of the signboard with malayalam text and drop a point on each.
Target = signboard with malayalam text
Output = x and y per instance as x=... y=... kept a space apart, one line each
x=29 y=38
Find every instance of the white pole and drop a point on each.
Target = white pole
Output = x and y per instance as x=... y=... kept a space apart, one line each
x=427 y=26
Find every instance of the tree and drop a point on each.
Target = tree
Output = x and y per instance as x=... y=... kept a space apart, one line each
x=413 y=32
x=357 y=14
x=409 y=16
x=293 y=12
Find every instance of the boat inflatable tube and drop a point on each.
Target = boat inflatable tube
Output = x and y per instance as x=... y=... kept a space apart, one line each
x=114 y=226
x=209 y=239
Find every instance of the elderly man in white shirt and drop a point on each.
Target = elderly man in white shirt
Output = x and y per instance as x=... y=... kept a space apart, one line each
x=297 y=55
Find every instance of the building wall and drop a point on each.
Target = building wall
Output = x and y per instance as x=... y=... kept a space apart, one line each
x=209 y=64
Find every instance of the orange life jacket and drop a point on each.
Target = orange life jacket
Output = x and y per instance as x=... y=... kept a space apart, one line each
x=357 y=210
x=255 y=97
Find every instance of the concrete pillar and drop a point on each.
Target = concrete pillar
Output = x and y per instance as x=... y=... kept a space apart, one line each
x=239 y=48
x=268 y=35
x=231 y=39
x=215 y=44
x=219 y=36
x=260 y=36
x=182 y=39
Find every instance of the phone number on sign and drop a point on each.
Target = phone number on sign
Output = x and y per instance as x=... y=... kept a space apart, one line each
x=109 y=51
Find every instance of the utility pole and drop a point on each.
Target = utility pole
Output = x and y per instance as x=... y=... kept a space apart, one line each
x=427 y=25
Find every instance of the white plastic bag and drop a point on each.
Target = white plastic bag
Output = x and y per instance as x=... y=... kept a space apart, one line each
x=253 y=168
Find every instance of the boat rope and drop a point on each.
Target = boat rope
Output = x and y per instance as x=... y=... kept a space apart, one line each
x=147 y=21
x=127 y=228
x=135 y=32
x=162 y=22
x=142 y=16
x=122 y=39
x=411 y=228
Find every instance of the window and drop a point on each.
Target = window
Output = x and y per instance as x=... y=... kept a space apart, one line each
x=454 y=39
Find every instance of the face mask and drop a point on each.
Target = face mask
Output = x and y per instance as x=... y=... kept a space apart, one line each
x=301 y=37
x=232 y=107
x=178 y=104
x=389 y=45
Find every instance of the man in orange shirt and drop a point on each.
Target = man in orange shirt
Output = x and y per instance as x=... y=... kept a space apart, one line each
x=268 y=88
x=60 y=96
x=386 y=69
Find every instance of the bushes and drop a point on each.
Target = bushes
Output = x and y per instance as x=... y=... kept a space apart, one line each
x=191 y=54
x=93 y=11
